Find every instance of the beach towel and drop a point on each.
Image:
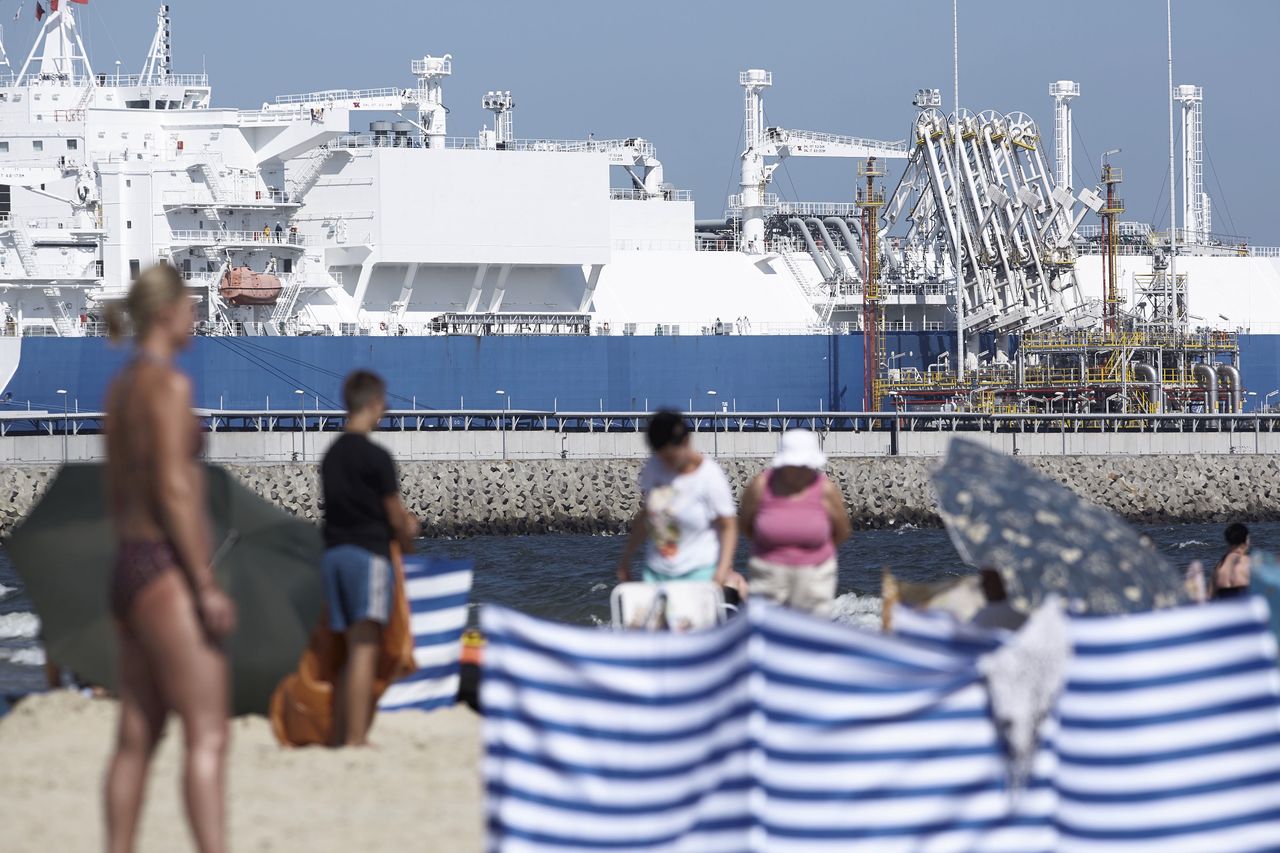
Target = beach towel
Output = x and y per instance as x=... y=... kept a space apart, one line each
x=1168 y=731
x=301 y=710
x=780 y=732
x=437 y=591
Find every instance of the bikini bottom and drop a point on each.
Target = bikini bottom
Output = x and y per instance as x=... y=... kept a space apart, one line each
x=137 y=565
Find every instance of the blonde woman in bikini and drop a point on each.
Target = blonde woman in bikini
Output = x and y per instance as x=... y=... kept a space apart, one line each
x=171 y=617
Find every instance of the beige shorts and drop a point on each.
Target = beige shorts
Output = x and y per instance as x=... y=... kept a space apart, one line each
x=808 y=588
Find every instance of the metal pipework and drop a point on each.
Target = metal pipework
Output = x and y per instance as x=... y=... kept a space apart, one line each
x=1229 y=376
x=853 y=245
x=837 y=262
x=1148 y=373
x=818 y=259
x=1206 y=376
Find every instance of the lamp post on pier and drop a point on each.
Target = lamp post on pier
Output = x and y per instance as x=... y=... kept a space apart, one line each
x=302 y=410
x=715 y=433
x=62 y=392
x=503 y=399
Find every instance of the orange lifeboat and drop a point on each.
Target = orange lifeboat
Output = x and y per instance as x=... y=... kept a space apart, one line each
x=243 y=286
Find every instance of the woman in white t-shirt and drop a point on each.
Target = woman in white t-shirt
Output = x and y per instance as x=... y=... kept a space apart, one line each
x=688 y=521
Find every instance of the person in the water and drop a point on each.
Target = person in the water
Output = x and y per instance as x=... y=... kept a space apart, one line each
x=1231 y=576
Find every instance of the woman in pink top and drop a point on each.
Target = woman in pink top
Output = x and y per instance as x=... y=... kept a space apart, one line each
x=795 y=518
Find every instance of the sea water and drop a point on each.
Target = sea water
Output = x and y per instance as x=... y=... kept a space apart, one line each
x=568 y=578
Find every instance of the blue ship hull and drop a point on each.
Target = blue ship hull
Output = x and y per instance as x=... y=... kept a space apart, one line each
x=749 y=373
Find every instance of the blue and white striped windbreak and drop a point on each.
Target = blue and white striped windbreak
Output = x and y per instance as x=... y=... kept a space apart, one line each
x=1168 y=734
x=598 y=740
x=870 y=743
x=438 y=591
x=778 y=732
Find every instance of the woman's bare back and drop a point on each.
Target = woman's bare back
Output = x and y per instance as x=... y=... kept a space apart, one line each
x=1233 y=571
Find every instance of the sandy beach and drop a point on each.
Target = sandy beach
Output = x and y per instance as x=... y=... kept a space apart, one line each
x=419 y=789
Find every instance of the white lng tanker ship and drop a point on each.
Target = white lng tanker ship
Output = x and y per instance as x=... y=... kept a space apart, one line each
x=288 y=225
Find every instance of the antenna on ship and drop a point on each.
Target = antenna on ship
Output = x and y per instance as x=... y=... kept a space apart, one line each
x=432 y=113
x=159 y=64
x=500 y=104
x=59 y=52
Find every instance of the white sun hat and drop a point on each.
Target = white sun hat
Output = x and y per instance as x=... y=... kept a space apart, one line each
x=800 y=449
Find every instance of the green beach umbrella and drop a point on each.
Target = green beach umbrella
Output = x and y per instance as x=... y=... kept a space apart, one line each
x=267 y=561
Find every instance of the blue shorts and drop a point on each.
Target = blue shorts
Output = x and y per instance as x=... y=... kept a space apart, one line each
x=358 y=586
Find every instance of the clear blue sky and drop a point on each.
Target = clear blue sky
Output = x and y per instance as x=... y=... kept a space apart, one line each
x=667 y=71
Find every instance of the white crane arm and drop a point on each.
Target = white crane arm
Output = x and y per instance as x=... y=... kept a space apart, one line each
x=783 y=142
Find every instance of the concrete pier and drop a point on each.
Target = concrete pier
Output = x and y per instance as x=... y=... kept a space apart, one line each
x=469 y=497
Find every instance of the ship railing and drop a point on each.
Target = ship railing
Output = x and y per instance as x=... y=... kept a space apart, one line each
x=273 y=115
x=532 y=325
x=775 y=205
x=817 y=208
x=431 y=65
x=573 y=146
x=247 y=193
x=640 y=147
x=124 y=80
x=718 y=326
x=365 y=140
x=104 y=80
x=619 y=194
x=643 y=245
x=1123 y=229
x=350 y=140
x=716 y=243
x=45 y=417
x=733 y=204
x=1242 y=250
x=218 y=237
x=303 y=278
x=51 y=272
x=51 y=223
x=333 y=96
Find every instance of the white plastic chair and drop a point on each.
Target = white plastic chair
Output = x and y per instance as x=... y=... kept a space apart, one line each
x=678 y=606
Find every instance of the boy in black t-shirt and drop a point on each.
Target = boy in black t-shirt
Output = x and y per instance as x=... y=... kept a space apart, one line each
x=363 y=512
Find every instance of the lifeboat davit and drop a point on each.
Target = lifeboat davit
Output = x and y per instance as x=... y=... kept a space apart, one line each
x=243 y=286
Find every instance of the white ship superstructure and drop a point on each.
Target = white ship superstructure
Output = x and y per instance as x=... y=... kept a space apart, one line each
x=285 y=222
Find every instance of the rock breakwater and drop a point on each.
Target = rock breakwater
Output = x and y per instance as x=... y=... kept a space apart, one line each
x=466 y=498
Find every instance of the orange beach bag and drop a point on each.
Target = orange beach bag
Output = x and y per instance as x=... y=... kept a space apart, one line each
x=301 y=710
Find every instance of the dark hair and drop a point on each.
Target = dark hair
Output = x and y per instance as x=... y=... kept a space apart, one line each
x=667 y=428
x=363 y=388
x=1236 y=534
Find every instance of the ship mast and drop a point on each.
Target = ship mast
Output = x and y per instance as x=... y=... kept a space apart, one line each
x=159 y=64
x=58 y=52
